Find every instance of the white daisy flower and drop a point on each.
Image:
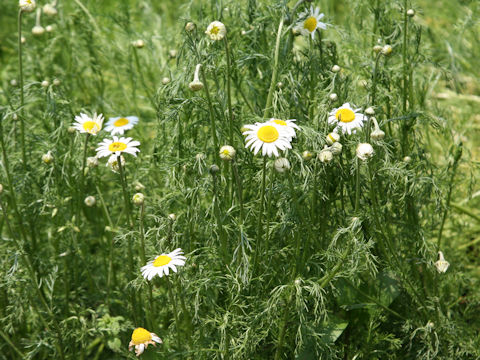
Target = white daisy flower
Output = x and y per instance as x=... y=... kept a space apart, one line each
x=117 y=146
x=216 y=30
x=163 y=263
x=141 y=338
x=268 y=136
x=118 y=125
x=346 y=118
x=86 y=124
x=288 y=125
x=27 y=5
x=311 y=22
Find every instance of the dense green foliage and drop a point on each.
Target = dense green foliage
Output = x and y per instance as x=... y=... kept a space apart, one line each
x=328 y=260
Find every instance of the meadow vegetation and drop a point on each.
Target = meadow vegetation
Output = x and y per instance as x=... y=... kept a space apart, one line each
x=239 y=179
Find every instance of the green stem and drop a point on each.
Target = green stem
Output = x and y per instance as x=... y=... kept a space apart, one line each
x=216 y=209
x=273 y=82
x=238 y=180
x=142 y=79
x=357 y=186
x=283 y=326
x=22 y=99
x=212 y=116
x=229 y=93
x=12 y=345
x=173 y=300
x=260 y=214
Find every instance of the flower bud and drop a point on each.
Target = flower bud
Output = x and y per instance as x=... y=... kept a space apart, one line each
x=90 y=201
x=307 y=155
x=370 y=111
x=112 y=163
x=325 y=156
x=47 y=158
x=1 y=188
x=49 y=28
x=214 y=169
x=45 y=83
x=377 y=134
x=23 y=39
x=92 y=162
x=165 y=80
x=38 y=30
x=282 y=165
x=71 y=130
x=387 y=50
x=172 y=217
x=333 y=97
x=411 y=12
x=227 y=153
x=190 y=26
x=377 y=48
x=331 y=138
x=336 y=148
x=14 y=116
x=173 y=53
x=139 y=44
x=364 y=151
x=336 y=68
x=407 y=159
x=50 y=10
x=195 y=85
x=139 y=186
x=441 y=265
x=138 y=199
x=56 y=82
x=280 y=84
x=13 y=82
x=27 y=5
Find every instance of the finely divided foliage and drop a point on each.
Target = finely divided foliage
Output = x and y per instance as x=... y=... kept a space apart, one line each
x=305 y=196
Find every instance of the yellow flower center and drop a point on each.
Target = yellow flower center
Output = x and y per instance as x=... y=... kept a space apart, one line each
x=120 y=122
x=310 y=24
x=345 y=115
x=141 y=336
x=162 y=260
x=280 y=122
x=226 y=152
x=215 y=30
x=268 y=134
x=117 y=146
x=90 y=126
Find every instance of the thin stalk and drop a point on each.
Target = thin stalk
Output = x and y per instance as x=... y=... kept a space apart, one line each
x=260 y=213
x=449 y=195
x=238 y=180
x=22 y=99
x=357 y=186
x=212 y=116
x=283 y=326
x=216 y=209
x=229 y=92
x=12 y=345
x=173 y=300
x=273 y=82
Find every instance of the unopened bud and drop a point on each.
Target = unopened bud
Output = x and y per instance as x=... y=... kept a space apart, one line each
x=165 y=80
x=370 y=111
x=411 y=12
x=190 y=26
x=47 y=158
x=307 y=155
x=172 y=217
x=45 y=83
x=387 y=50
x=336 y=68
x=325 y=156
x=336 y=148
x=214 y=169
x=282 y=165
x=138 y=199
x=331 y=138
x=138 y=43
x=90 y=201
x=333 y=97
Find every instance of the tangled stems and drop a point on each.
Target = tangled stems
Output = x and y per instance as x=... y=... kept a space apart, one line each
x=268 y=105
x=22 y=100
x=229 y=92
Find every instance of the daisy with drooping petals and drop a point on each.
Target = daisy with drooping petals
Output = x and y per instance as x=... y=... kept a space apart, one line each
x=163 y=263
x=268 y=136
x=117 y=146
x=141 y=338
x=346 y=118
x=86 y=124
x=118 y=125
x=311 y=22
x=288 y=125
